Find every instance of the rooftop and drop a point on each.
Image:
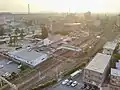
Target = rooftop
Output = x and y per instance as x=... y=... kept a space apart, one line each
x=11 y=67
x=99 y=63
x=70 y=47
x=115 y=72
x=28 y=56
x=110 y=45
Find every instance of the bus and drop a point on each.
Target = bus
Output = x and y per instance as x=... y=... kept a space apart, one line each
x=75 y=73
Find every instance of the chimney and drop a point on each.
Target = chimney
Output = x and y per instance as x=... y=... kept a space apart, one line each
x=28 y=8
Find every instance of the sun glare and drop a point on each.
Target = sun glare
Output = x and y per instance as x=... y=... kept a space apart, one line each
x=65 y=5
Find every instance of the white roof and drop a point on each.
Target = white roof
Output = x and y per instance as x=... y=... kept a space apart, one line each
x=115 y=72
x=29 y=56
x=99 y=63
x=110 y=45
x=70 y=47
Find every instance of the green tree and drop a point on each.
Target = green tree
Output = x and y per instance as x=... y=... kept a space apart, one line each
x=1 y=31
x=15 y=37
x=44 y=32
x=18 y=30
x=21 y=34
x=10 y=41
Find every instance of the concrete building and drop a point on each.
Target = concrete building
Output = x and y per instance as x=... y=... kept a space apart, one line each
x=114 y=79
x=28 y=57
x=109 y=48
x=96 y=71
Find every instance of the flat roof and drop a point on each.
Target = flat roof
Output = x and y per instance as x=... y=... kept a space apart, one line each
x=11 y=67
x=70 y=47
x=110 y=45
x=28 y=56
x=99 y=63
x=115 y=72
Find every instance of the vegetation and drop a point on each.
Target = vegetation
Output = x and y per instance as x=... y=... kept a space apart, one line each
x=10 y=41
x=21 y=34
x=116 y=56
x=46 y=84
x=74 y=69
x=23 y=67
x=44 y=32
x=1 y=31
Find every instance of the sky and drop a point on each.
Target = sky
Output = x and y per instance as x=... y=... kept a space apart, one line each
x=60 y=5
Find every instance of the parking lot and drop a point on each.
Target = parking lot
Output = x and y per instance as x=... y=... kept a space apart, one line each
x=6 y=66
x=60 y=86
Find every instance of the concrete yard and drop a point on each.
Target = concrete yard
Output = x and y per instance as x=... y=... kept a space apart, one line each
x=5 y=67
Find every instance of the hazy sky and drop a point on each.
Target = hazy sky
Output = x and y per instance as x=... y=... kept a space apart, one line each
x=61 y=5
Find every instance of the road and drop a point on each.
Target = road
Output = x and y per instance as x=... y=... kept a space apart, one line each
x=59 y=86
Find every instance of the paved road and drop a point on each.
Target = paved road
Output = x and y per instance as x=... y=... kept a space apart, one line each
x=59 y=86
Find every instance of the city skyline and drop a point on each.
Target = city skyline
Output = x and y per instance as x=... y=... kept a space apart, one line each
x=60 y=6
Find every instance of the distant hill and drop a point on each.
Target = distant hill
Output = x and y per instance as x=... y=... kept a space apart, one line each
x=5 y=13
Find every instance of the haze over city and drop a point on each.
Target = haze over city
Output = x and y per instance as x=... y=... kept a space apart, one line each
x=59 y=44
x=60 y=6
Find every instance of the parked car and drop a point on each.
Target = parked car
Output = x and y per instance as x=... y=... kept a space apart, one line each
x=1 y=66
x=9 y=62
x=65 y=82
x=88 y=87
x=83 y=87
x=18 y=48
x=69 y=83
x=74 y=83
x=19 y=66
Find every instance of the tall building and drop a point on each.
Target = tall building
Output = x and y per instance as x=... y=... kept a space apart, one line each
x=87 y=15
x=28 y=8
x=97 y=70
x=118 y=20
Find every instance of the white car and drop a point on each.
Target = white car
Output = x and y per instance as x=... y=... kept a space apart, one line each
x=1 y=66
x=19 y=66
x=74 y=83
x=9 y=62
x=65 y=82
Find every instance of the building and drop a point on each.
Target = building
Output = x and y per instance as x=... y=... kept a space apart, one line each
x=97 y=70
x=87 y=15
x=2 y=20
x=109 y=48
x=28 y=57
x=114 y=79
x=118 y=20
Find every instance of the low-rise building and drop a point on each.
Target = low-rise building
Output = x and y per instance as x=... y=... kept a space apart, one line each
x=28 y=57
x=114 y=79
x=109 y=48
x=96 y=71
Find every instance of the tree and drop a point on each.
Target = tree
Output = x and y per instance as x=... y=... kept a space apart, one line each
x=16 y=31
x=15 y=37
x=44 y=32
x=21 y=34
x=1 y=31
x=10 y=41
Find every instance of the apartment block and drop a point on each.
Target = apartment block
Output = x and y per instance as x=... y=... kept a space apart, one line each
x=96 y=71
